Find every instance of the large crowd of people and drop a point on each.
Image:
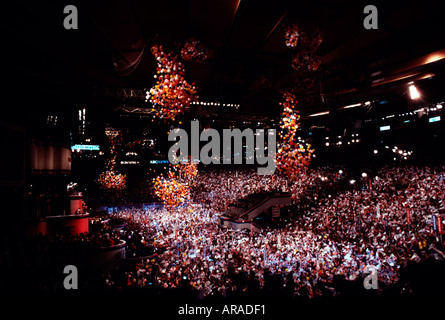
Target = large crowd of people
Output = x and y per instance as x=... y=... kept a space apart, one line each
x=340 y=236
x=385 y=220
x=219 y=188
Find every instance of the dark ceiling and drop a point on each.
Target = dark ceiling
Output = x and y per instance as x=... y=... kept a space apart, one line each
x=50 y=68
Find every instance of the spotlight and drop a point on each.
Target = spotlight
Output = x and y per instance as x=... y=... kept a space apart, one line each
x=413 y=92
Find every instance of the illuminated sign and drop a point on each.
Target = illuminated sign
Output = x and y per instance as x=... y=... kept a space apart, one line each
x=129 y=162
x=85 y=147
x=158 y=161
x=384 y=128
x=434 y=119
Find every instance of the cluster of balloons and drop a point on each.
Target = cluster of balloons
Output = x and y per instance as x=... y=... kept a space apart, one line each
x=175 y=188
x=292 y=35
x=112 y=181
x=307 y=44
x=293 y=156
x=296 y=36
x=109 y=179
x=315 y=40
x=172 y=93
x=194 y=51
x=306 y=61
x=289 y=122
x=171 y=191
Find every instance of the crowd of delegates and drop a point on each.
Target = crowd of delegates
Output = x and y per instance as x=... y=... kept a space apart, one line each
x=342 y=235
x=384 y=222
x=219 y=188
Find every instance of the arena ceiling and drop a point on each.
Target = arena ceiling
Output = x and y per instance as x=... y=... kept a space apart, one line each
x=49 y=67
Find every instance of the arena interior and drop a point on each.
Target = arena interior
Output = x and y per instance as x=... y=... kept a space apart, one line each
x=350 y=100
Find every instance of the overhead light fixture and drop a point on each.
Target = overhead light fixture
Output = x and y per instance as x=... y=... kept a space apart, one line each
x=319 y=114
x=413 y=92
x=435 y=56
x=426 y=76
x=351 y=106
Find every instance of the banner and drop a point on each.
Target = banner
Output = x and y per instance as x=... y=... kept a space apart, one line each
x=439 y=225
x=434 y=223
